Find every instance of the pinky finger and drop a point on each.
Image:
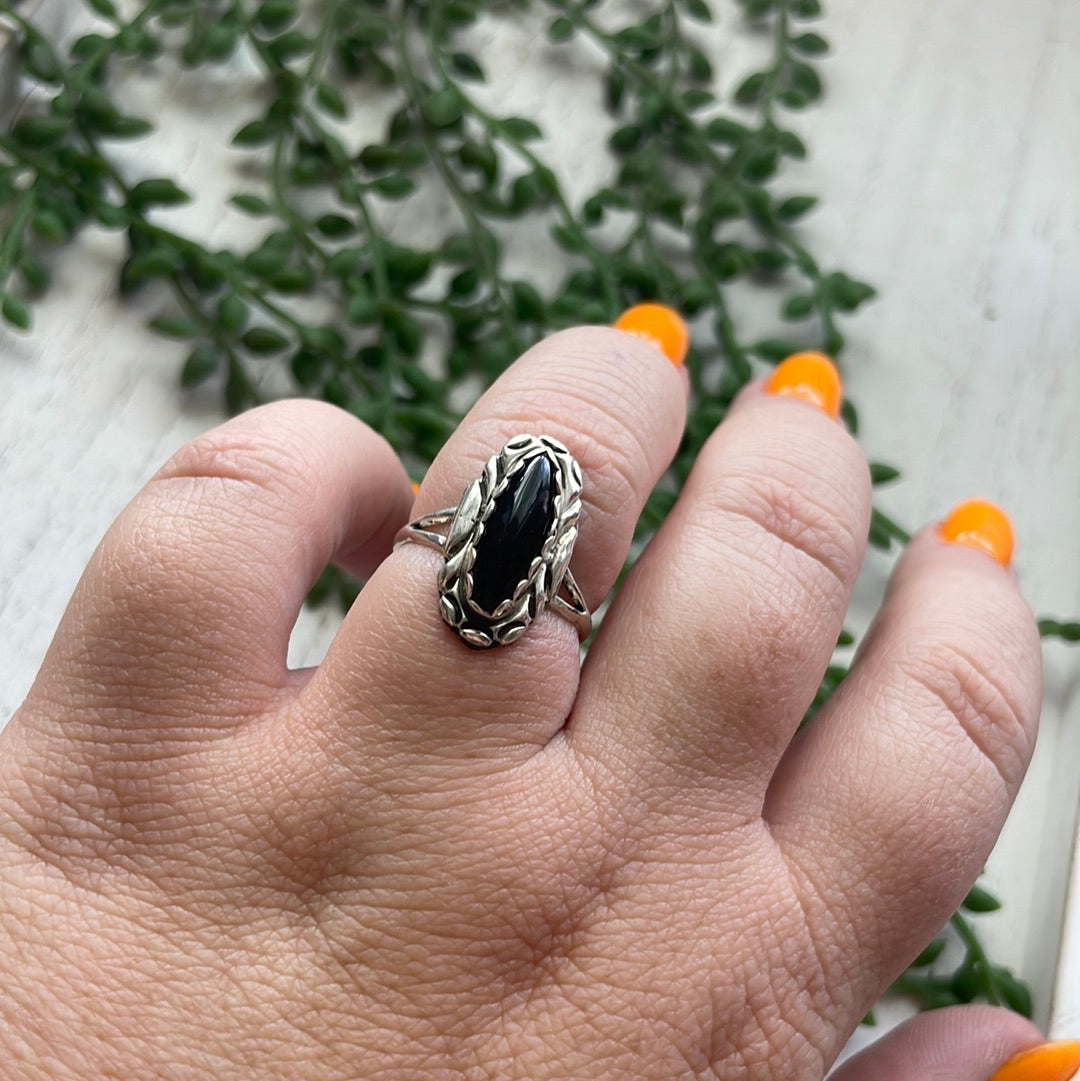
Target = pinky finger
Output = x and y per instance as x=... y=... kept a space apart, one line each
x=962 y=1043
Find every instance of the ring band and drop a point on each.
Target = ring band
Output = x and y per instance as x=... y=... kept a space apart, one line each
x=508 y=544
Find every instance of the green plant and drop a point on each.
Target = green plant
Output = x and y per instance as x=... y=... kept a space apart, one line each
x=691 y=214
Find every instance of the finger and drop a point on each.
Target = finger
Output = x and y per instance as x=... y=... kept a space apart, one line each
x=716 y=644
x=191 y=597
x=889 y=802
x=619 y=407
x=961 y=1043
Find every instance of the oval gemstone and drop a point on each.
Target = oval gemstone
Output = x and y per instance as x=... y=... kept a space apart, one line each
x=513 y=534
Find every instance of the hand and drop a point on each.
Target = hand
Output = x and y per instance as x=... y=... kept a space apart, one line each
x=421 y=861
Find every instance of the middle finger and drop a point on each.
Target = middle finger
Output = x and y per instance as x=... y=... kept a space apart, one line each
x=619 y=406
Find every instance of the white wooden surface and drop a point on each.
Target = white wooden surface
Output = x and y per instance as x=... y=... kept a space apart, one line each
x=949 y=156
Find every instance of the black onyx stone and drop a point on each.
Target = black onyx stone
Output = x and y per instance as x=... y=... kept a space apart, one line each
x=513 y=534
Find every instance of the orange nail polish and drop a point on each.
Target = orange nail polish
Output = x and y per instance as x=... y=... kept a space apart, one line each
x=982 y=525
x=1057 y=1061
x=658 y=325
x=811 y=377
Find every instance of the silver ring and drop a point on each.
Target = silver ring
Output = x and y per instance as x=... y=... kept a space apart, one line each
x=508 y=544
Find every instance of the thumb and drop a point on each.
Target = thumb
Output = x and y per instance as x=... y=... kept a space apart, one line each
x=962 y=1043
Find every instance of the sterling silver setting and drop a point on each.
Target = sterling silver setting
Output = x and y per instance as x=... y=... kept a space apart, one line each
x=547 y=582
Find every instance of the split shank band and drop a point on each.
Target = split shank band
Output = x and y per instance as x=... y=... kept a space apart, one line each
x=508 y=544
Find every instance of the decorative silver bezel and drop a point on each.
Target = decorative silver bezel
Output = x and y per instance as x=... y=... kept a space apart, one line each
x=510 y=618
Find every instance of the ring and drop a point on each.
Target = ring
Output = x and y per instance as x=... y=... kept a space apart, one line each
x=509 y=544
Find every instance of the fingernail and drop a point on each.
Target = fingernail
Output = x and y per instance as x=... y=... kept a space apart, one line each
x=658 y=325
x=982 y=525
x=811 y=377
x=1057 y=1061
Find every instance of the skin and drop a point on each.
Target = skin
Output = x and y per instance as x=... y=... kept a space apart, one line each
x=419 y=861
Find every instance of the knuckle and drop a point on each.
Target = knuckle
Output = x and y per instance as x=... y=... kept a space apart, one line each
x=794 y=522
x=268 y=448
x=984 y=692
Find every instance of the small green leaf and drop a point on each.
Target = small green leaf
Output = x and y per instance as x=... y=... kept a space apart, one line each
x=444 y=108
x=156 y=262
x=335 y=226
x=160 y=191
x=252 y=204
x=173 y=325
x=614 y=89
x=980 y=900
x=528 y=304
x=761 y=166
x=1066 y=631
x=774 y=349
x=89 y=47
x=110 y=216
x=525 y=192
x=1015 y=992
x=568 y=239
x=881 y=525
x=328 y=341
x=930 y=954
x=847 y=294
x=457 y=248
x=264 y=340
x=125 y=127
x=480 y=157
x=701 y=69
x=360 y=309
x=626 y=139
x=698 y=9
x=202 y=363
x=465 y=283
x=466 y=67
x=407 y=266
x=255 y=133
x=274 y=15
x=520 y=129
x=38 y=132
x=798 y=306
x=722 y=129
x=16 y=312
x=696 y=98
x=640 y=37
x=805 y=80
x=880 y=473
x=790 y=144
x=751 y=90
x=329 y=97
x=34 y=272
x=307 y=367
x=561 y=29
x=810 y=44
x=795 y=207
x=220 y=42
x=48 y=224
x=393 y=187
x=289 y=46
x=806 y=9
x=232 y=314
x=103 y=7
x=39 y=61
